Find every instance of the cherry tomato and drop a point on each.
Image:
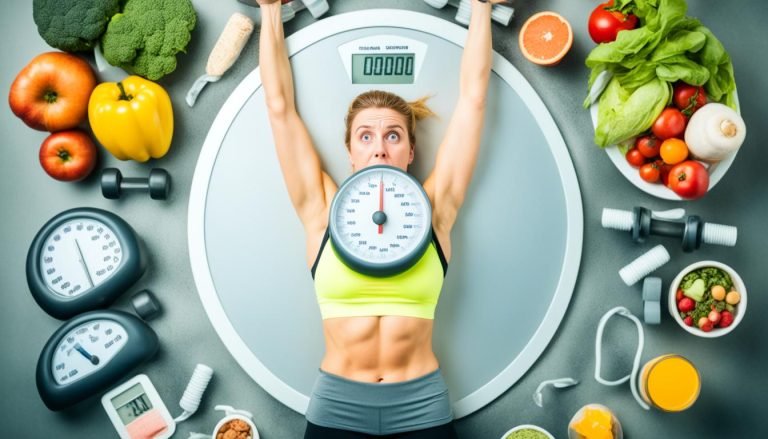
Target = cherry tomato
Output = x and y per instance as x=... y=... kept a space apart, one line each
x=650 y=172
x=648 y=146
x=689 y=179
x=726 y=318
x=604 y=25
x=705 y=324
x=670 y=123
x=673 y=151
x=686 y=304
x=635 y=158
x=714 y=316
x=689 y=98
x=663 y=171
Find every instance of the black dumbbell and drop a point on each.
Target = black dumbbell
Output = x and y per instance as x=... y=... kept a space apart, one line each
x=113 y=184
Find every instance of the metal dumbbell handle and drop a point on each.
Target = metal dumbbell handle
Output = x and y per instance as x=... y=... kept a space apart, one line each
x=712 y=233
x=133 y=183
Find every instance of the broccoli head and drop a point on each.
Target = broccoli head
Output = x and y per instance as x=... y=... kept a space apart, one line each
x=146 y=36
x=73 y=25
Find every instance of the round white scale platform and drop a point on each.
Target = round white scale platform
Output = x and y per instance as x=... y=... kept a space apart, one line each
x=516 y=244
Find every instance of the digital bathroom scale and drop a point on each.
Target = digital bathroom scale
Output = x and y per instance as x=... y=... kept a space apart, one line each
x=516 y=243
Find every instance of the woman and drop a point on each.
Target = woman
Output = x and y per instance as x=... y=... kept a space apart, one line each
x=379 y=375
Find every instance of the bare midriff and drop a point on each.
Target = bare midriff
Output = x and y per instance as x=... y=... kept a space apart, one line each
x=378 y=349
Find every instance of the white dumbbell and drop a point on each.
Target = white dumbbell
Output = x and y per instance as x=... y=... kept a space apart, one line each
x=692 y=231
x=499 y=13
x=644 y=265
x=288 y=11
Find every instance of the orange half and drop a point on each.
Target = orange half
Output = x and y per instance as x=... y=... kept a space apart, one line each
x=545 y=38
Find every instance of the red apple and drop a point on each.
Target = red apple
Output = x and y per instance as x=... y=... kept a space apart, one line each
x=51 y=93
x=68 y=155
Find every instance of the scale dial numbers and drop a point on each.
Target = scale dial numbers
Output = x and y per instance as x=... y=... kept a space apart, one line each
x=79 y=255
x=86 y=349
x=405 y=213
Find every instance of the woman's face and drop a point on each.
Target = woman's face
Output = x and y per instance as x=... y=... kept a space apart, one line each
x=379 y=137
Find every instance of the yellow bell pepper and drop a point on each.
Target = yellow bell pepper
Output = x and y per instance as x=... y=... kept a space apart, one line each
x=132 y=119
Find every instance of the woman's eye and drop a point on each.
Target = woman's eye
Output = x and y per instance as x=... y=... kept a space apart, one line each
x=365 y=137
x=393 y=137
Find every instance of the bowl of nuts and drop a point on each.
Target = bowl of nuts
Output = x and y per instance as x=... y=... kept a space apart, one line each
x=235 y=426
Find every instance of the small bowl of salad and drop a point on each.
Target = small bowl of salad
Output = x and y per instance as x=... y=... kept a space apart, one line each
x=708 y=299
x=527 y=431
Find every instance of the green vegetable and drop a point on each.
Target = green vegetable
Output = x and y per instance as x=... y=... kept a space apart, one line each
x=696 y=290
x=669 y=47
x=622 y=114
x=145 y=38
x=527 y=433
x=710 y=275
x=73 y=25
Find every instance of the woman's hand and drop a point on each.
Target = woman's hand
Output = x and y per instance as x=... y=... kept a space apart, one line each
x=503 y=2
x=266 y=2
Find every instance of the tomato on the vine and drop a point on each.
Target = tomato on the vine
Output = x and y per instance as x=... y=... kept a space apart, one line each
x=604 y=25
x=670 y=123
x=689 y=98
x=648 y=146
x=635 y=158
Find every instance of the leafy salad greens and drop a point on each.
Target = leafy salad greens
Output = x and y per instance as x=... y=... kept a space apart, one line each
x=644 y=62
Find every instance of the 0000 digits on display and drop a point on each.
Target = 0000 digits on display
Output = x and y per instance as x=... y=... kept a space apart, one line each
x=383 y=69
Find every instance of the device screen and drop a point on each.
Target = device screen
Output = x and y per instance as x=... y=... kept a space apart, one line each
x=391 y=68
x=132 y=403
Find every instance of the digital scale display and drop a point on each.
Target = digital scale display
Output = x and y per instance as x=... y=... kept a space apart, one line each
x=137 y=411
x=383 y=59
x=132 y=403
x=383 y=68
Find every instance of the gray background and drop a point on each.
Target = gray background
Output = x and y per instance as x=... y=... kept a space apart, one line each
x=732 y=367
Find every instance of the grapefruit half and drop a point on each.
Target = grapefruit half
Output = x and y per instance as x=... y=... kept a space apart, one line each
x=545 y=38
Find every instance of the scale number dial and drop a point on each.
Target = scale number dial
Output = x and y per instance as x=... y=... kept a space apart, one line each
x=86 y=349
x=90 y=353
x=79 y=255
x=381 y=221
x=83 y=259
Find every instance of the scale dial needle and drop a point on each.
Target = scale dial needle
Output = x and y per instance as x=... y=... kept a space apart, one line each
x=92 y=358
x=381 y=202
x=82 y=261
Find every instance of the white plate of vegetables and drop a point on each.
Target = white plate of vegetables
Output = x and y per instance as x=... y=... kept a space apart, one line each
x=663 y=102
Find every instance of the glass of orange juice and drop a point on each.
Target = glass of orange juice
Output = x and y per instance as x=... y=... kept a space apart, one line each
x=670 y=383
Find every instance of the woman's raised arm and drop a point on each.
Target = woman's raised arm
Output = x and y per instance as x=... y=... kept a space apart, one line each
x=309 y=187
x=456 y=157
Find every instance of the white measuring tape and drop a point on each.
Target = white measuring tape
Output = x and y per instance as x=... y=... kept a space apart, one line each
x=620 y=310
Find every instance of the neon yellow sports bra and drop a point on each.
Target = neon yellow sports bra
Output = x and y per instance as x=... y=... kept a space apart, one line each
x=343 y=292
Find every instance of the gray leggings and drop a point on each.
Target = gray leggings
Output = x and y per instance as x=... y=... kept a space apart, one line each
x=380 y=408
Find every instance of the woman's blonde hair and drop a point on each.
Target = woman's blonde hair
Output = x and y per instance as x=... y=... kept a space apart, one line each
x=412 y=111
